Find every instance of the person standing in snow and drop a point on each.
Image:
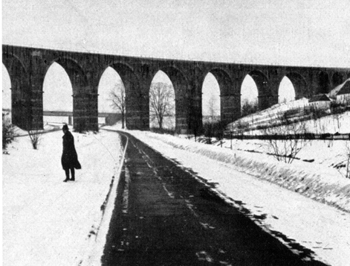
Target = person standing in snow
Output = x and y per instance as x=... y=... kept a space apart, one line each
x=69 y=158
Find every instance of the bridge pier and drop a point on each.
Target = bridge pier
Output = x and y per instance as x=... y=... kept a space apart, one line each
x=21 y=105
x=136 y=105
x=36 y=80
x=20 y=90
x=183 y=107
x=85 y=114
x=230 y=107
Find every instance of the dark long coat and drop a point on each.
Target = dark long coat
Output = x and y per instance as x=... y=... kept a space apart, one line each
x=69 y=156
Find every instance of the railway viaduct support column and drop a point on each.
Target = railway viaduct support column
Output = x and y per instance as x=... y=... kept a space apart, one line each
x=194 y=102
x=28 y=91
x=137 y=109
x=185 y=120
x=20 y=89
x=37 y=70
x=271 y=89
x=230 y=107
x=85 y=111
x=231 y=99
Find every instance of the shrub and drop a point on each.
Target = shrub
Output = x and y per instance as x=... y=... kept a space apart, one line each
x=158 y=130
x=249 y=108
x=34 y=134
x=284 y=142
x=7 y=133
x=215 y=129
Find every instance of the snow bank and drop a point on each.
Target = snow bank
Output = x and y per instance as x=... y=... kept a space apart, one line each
x=314 y=181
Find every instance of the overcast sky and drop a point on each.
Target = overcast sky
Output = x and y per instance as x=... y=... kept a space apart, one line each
x=284 y=32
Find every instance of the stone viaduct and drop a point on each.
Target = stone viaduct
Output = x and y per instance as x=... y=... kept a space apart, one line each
x=27 y=68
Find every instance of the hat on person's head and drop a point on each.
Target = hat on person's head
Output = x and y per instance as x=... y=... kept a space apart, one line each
x=65 y=127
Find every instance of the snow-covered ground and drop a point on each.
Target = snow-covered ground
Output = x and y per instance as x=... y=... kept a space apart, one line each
x=49 y=222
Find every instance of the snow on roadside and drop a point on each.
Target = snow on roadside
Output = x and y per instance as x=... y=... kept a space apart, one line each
x=285 y=214
x=316 y=181
x=47 y=221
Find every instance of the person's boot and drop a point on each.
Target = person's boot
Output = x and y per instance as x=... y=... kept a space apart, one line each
x=67 y=175
x=73 y=175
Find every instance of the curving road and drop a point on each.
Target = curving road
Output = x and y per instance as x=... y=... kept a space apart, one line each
x=166 y=215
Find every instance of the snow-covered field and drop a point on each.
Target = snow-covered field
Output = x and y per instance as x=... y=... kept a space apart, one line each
x=49 y=222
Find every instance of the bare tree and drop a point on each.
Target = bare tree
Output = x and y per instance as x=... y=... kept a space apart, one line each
x=34 y=133
x=161 y=102
x=212 y=108
x=286 y=139
x=117 y=97
x=8 y=133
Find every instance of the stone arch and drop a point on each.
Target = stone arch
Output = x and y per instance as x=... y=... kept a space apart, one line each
x=323 y=83
x=12 y=62
x=127 y=74
x=337 y=79
x=299 y=84
x=178 y=79
x=224 y=80
x=20 y=91
x=75 y=72
x=136 y=99
x=260 y=81
x=183 y=110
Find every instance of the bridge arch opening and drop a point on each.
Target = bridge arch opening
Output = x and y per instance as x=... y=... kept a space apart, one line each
x=57 y=96
x=184 y=118
x=111 y=98
x=286 y=91
x=162 y=104
x=211 y=99
x=6 y=94
x=249 y=96
x=136 y=114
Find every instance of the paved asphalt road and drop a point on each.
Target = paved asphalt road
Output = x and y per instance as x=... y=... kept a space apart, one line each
x=164 y=215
